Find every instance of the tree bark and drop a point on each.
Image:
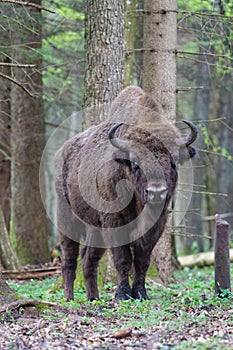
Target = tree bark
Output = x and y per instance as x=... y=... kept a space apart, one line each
x=5 y=165
x=159 y=79
x=104 y=51
x=8 y=256
x=104 y=73
x=222 y=256
x=194 y=217
x=30 y=232
x=224 y=165
x=5 y=124
x=7 y=295
x=130 y=34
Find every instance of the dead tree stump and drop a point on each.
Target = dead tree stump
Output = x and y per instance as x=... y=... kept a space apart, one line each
x=222 y=256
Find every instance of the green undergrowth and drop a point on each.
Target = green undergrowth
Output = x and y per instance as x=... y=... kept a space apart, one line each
x=187 y=303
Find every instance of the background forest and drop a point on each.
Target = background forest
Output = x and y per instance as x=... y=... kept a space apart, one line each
x=42 y=72
x=61 y=65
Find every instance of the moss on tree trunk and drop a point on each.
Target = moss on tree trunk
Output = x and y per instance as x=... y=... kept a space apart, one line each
x=7 y=295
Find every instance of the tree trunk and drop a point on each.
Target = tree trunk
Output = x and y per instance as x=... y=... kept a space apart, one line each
x=104 y=51
x=104 y=74
x=139 y=43
x=5 y=165
x=222 y=256
x=8 y=257
x=225 y=165
x=130 y=34
x=194 y=218
x=159 y=79
x=5 y=124
x=7 y=295
x=30 y=233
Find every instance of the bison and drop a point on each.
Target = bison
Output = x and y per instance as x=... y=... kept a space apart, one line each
x=114 y=183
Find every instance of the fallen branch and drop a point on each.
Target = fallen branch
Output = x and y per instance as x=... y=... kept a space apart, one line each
x=32 y=273
x=25 y=302
x=201 y=259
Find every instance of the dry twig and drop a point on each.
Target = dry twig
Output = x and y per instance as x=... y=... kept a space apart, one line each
x=17 y=83
x=27 y=3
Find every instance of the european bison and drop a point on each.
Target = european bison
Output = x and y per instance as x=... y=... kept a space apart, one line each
x=114 y=183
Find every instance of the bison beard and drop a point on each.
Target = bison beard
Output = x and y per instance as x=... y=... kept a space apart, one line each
x=142 y=148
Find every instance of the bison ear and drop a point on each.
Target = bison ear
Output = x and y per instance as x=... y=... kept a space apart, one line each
x=186 y=153
x=191 y=151
x=121 y=157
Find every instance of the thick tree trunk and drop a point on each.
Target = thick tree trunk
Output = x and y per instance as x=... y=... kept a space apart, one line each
x=104 y=74
x=159 y=79
x=104 y=51
x=30 y=233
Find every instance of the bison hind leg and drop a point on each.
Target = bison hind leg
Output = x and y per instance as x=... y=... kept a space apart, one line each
x=90 y=261
x=70 y=251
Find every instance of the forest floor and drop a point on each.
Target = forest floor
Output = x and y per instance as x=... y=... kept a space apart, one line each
x=185 y=315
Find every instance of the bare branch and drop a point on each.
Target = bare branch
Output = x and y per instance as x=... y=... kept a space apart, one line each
x=211 y=152
x=204 y=62
x=204 y=192
x=27 y=3
x=213 y=217
x=188 y=234
x=205 y=54
x=17 y=83
x=226 y=125
x=188 y=88
x=191 y=13
x=19 y=65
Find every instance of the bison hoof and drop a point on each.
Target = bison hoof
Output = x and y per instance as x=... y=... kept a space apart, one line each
x=123 y=292
x=139 y=292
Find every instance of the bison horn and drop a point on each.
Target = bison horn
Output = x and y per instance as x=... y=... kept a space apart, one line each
x=116 y=142
x=188 y=140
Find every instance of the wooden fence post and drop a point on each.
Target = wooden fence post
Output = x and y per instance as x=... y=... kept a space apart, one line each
x=221 y=255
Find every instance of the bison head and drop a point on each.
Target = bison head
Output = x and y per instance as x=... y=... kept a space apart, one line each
x=151 y=163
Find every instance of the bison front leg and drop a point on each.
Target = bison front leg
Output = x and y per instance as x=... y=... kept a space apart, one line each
x=69 y=250
x=122 y=258
x=90 y=260
x=141 y=264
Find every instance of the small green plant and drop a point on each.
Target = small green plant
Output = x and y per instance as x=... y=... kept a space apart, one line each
x=188 y=302
x=225 y=293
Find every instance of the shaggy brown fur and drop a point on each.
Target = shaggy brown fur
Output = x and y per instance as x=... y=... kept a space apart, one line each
x=149 y=163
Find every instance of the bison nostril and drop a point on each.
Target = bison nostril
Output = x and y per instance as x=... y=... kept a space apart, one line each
x=163 y=192
x=155 y=194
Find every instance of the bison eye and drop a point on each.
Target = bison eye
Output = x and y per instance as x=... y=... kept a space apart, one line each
x=134 y=164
